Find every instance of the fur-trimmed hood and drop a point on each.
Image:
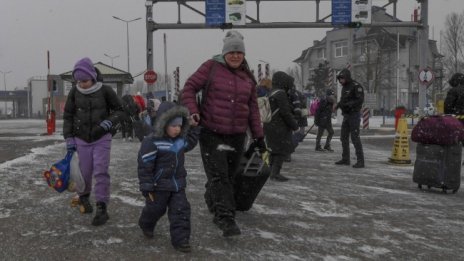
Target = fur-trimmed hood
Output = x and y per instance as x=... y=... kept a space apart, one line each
x=166 y=112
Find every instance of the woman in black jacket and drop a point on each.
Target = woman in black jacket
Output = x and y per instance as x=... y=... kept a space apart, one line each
x=278 y=132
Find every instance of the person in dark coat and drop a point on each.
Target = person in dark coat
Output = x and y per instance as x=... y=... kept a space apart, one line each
x=91 y=112
x=350 y=103
x=162 y=175
x=278 y=132
x=130 y=115
x=228 y=109
x=323 y=119
x=454 y=101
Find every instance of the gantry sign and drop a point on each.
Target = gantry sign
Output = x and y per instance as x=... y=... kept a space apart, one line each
x=221 y=14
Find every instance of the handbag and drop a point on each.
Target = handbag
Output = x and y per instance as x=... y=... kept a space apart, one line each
x=58 y=175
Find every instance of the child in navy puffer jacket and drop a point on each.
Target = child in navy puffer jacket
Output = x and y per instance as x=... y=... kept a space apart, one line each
x=162 y=176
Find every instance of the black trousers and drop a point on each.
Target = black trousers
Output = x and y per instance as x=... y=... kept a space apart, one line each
x=320 y=132
x=127 y=129
x=350 y=127
x=178 y=213
x=221 y=156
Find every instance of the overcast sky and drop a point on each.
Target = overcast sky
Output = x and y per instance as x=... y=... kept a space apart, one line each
x=71 y=30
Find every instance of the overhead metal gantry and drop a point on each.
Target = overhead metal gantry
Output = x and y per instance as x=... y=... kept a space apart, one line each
x=255 y=23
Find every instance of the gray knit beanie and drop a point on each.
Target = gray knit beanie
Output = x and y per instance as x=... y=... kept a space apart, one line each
x=233 y=42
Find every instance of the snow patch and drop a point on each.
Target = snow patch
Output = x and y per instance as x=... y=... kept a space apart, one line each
x=374 y=250
x=29 y=158
x=325 y=209
x=129 y=200
x=337 y=258
x=268 y=235
x=4 y=213
x=224 y=147
x=109 y=241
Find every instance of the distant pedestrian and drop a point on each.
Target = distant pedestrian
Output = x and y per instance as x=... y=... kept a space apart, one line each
x=130 y=115
x=278 y=131
x=162 y=175
x=298 y=106
x=454 y=101
x=350 y=103
x=323 y=120
x=228 y=108
x=90 y=114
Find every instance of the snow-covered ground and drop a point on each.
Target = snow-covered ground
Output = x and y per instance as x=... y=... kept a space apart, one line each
x=325 y=212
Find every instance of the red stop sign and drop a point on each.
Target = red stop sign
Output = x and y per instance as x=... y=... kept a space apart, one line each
x=150 y=77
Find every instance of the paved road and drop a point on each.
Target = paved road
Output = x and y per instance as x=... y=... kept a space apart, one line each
x=325 y=212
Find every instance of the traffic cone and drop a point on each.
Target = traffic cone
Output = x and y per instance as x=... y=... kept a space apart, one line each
x=400 y=151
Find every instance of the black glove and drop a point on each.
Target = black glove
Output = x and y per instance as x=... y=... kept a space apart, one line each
x=261 y=145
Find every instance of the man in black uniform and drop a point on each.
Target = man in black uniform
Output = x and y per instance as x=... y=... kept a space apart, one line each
x=350 y=103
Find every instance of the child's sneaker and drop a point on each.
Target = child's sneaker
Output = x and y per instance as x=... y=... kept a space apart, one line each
x=184 y=248
x=84 y=204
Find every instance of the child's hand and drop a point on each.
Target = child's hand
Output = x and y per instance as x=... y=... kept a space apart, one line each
x=149 y=195
x=194 y=119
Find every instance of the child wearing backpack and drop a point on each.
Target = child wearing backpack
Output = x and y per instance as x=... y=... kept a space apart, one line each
x=162 y=175
x=323 y=119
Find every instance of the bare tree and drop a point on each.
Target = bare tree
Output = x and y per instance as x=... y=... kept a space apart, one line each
x=295 y=73
x=453 y=41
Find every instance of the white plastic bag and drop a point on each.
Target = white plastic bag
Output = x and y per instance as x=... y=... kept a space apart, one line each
x=76 y=181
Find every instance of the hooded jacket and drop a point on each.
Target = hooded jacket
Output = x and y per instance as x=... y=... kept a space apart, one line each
x=230 y=105
x=454 y=101
x=161 y=158
x=352 y=97
x=278 y=131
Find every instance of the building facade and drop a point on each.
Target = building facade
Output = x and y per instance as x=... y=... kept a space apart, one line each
x=384 y=60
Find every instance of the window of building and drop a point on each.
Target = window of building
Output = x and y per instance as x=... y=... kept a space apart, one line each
x=341 y=49
x=321 y=53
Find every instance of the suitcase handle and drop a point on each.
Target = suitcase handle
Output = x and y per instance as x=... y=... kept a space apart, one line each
x=247 y=166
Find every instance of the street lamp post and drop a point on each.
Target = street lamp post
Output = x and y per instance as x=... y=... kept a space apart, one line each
x=112 y=58
x=4 y=84
x=127 y=31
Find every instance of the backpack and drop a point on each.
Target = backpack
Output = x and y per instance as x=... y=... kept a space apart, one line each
x=264 y=106
x=314 y=106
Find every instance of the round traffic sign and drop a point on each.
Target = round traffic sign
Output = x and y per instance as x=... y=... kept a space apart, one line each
x=426 y=76
x=150 y=77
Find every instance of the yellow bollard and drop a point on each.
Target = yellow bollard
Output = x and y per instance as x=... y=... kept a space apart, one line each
x=400 y=151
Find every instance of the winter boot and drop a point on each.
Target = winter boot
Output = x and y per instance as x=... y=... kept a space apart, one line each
x=359 y=164
x=147 y=233
x=328 y=148
x=275 y=174
x=101 y=216
x=342 y=162
x=84 y=204
x=184 y=248
x=319 y=148
x=230 y=228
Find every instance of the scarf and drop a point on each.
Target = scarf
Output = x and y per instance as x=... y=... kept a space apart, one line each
x=90 y=90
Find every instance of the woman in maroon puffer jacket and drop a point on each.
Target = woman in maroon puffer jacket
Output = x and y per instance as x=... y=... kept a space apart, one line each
x=228 y=108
